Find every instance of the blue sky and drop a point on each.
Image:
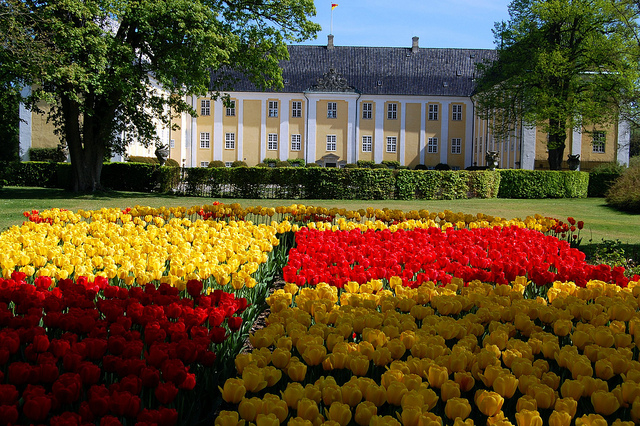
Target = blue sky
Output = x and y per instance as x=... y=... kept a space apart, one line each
x=388 y=23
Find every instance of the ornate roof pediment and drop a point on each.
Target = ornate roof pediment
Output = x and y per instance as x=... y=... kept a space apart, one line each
x=332 y=81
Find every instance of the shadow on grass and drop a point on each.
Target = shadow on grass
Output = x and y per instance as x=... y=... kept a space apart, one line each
x=19 y=193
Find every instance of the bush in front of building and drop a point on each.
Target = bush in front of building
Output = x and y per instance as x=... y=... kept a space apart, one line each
x=54 y=155
x=367 y=164
x=142 y=160
x=390 y=164
x=312 y=165
x=296 y=162
x=445 y=184
x=136 y=177
x=351 y=166
x=171 y=163
x=603 y=177
x=283 y=164
x=518 y=183
x=624 y=194
x=31 y=173
x=216 y=163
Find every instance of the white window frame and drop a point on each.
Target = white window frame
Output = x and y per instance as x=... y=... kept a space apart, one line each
x=230 y=140
x=272 y=142
x=273 y=109
x=205 y=107
x=392 y=111
x=296 y=109
x=296 y=142
x=432 y=145
x=456 y=112
x=599 y=142
x=205 y=140
x=231 y=109
x=367 y=110
x=456 y=145
x=392 y=144
x=172 y=143
x=332 y=143
x=228 y=163
x=433 y=112
x=204 y=164
x=367 y=143
x=332 y=110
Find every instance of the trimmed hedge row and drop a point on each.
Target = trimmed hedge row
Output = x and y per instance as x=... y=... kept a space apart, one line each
x=312 y=182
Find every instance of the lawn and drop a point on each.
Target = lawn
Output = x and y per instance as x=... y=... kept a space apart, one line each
x=601 y=221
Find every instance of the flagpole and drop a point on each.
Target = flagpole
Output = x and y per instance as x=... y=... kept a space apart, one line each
x=331 y=19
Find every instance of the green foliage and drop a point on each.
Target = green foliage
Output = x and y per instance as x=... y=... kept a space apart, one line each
x=283 y=164
x=296 y=162
x=442 y=166
x=171 y=163
x=31 y=173
x=603 y=177
x=270 y=161
x=168 y=177
x=238 y=163
x=216 y=163
x=446 y=184
x=94 y=61
x=137 y=177
x=312 y=165
x=351 y=166
x=55 y=155
x=365 y=163
x=483 y=184
x=391 y=164
x=9 y=116
x=615 y=253
x=542 y=184
x=379 y=166
x=560 y=64
x=624 y=194
x=142 y=160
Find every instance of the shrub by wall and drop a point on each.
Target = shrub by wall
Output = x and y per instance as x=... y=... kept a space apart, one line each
x=137 y=177
x=56 y=155
x=542 y=184
x=446 y=184
x=624 y=194
x=603 y=178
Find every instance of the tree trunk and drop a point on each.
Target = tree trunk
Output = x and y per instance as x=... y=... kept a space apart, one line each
x=555 y=146
x=86 y=153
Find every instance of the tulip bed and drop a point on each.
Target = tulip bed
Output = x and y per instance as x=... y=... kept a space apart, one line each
x=135 y=317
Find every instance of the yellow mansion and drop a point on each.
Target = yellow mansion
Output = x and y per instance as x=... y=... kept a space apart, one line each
x=341 y=104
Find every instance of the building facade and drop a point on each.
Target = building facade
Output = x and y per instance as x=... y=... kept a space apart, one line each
x=341 y=104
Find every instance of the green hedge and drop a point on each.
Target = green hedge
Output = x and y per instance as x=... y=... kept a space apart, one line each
x=311 y=182
x=601 y=180
x=542 y=184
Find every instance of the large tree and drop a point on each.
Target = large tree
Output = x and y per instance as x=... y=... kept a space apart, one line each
x=560 y=64
x=96 y=62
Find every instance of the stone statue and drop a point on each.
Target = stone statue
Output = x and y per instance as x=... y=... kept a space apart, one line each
x=574 y=161
x=493 y=159
x=162 y=153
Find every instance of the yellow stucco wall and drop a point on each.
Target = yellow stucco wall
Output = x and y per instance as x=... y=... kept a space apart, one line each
x=296 y=127
x=391 y=129
x=176 y=134
x=331 y=126
x=42 y=132
x=412 y=136
x=251 y=132
x=456 y=130
x=609 y=154
x=367 y=128
x=432 y=130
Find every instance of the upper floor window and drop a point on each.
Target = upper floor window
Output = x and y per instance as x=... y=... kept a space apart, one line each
x=367 y=109
x=433 y=111
x=205 y=140
x=456 y=112
x=432 y=145
x=273 y=108
x=456 y=146
x=332 y=109
x=172 y=143
x=331 y=142
x=231 y=109
x=599 y=141
x=367 y=144
x=296 y=109
x=230 y=141
x=392 y=143
x=272 y=143
x=205 y=107
x=392 y=111
x=296 y=142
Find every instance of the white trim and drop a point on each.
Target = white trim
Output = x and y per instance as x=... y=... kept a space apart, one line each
x=444 y=133
x=194 y=136
x=218 y=130
x=283 y=149
x=240 y=114
x=401 y=142
x=423 y=131
x=352 y=141
x=24 y=126
x=310 y=155
x=263 y=131
x=624 y=139
x=378 y=136
x=528 y=152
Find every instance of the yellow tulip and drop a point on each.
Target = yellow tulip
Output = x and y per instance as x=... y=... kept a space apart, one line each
x=489 y=403
x=340 y=413
x=228 y=418
x=457 y=408
x=376 y=394
x=267 y=420
x=233 y=391
x=250 y=408
x=528 y=418
x=604 y=402
x=307 y=409
x=364 y=411
x=292 y=394
x=449 y=389
x=591 y=420
x=559 y=418
x=437 y=375
x=526 y=402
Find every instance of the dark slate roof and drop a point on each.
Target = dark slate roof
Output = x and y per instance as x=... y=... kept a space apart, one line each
x=383 y=70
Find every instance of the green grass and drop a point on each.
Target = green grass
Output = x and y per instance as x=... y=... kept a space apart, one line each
x=601 y=221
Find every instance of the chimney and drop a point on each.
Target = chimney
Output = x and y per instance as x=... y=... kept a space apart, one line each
x=414 y=45
x=330 y=42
